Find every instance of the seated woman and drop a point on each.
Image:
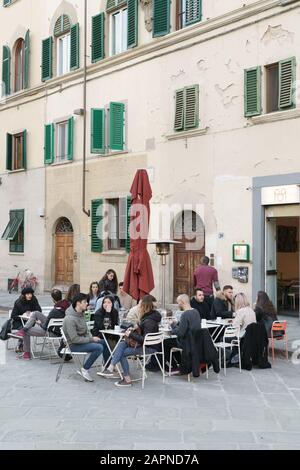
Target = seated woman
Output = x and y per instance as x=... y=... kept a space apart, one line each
x=265 y=309
x=37 y=324
x=93 y=295
x=149 y=323
x=245 y=315
x=106 y=318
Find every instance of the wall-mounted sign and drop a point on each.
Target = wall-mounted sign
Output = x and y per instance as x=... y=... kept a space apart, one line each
x=241 y=274
x=241 y=252
x=280 y=195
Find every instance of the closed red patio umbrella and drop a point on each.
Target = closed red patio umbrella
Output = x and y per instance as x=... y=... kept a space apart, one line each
x=138 y=280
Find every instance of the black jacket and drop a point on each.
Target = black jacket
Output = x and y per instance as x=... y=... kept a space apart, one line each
x=21 y=306
x=149 y=324
x=99 y=319
x=196 y=343
x=202 y=307
x=220 y=308
x=58 y=311
x=255 y=347
x=107 y=285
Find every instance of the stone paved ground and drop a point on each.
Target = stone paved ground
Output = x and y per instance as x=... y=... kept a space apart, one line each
x=251 y=410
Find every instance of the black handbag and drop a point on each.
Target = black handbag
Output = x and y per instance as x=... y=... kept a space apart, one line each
x=6 y=328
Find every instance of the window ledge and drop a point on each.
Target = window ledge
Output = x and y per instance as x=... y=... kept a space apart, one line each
x=186 y=134
x=273 y=117
x=16 y=254
x=10 y=172
x=110 y=154
x=114 y=253
x=67 y=162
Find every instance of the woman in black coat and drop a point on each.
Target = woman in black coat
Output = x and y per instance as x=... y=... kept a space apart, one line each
x=132 y=344
x=109 y=282
x=27 y=302
x=106 y=317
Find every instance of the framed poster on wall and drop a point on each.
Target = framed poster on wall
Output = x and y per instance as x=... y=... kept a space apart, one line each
x=241 y=252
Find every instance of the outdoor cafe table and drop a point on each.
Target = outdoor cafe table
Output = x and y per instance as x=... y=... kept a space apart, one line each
x=220 y=326
x=120 y=335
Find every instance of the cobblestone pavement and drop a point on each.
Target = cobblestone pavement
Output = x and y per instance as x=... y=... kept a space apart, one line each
x=251 y=410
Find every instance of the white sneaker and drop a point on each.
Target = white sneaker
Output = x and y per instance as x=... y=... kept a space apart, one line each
x=85 y=374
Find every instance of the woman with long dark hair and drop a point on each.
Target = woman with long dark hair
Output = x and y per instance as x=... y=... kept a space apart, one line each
x=74 y=290
x=109 y=282
x=148 y=323
x=93 y=294
x=265 y=310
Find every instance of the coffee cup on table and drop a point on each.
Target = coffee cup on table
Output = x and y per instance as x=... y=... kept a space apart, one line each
x=219 y=318
x=203 y=323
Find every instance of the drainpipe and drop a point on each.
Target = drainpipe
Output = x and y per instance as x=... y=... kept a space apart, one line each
x=87 y=212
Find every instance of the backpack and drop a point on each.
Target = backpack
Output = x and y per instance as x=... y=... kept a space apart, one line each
x=6 y=328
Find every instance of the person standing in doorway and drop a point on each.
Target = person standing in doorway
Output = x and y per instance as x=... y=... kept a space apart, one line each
x=205 y=278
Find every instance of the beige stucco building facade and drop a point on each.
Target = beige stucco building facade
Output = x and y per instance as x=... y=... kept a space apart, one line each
x=216 y=169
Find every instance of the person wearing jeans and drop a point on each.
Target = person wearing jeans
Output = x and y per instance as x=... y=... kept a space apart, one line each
x=149 y=323
x=78 y=335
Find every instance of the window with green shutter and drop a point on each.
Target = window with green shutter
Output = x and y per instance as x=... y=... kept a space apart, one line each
x=113 y=4
x=252 y=91
x=26 y=60
x=98 y=37
x=6 y=70
x=98 y=131
x=16 y=151
x=74 y=48
x=186 y=108
x=193 y=11
x=70 y=154
x=161 y=17
x=14 y=232
x=116 y=126
x=97 y=225
x=132 y=23
x=49 y=144
x=287 y=76
x=47 y=52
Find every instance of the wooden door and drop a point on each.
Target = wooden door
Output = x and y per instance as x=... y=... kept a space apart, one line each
x=185 y=262
x=64 y=258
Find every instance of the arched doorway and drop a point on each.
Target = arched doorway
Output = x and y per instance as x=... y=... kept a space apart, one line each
x=64 y=251
x=190 y=231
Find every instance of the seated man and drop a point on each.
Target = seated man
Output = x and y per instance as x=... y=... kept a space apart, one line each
x=78 y=335
x=37 y=323
x=223 y=304
x=197 y=346
x=199 y=304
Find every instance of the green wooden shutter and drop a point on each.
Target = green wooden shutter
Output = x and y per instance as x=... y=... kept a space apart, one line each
x=74 y=53
x=47 y=47
x=98 y=37
x=127 y=244
x=287 y=75
x=49 y=144
x=26 y=60
x=6 y=61
x=70 y=138
x=97 y=226
x=116 y=126
x=161 y=17
x=24 y=150
x=191 y=114
x=193 y=11
x=132 y=25
x=98 y=131
x=9 y=152
x=252 y=91
x=179 y=110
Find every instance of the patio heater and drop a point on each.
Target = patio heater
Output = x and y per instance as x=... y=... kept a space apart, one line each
x=163 y=249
